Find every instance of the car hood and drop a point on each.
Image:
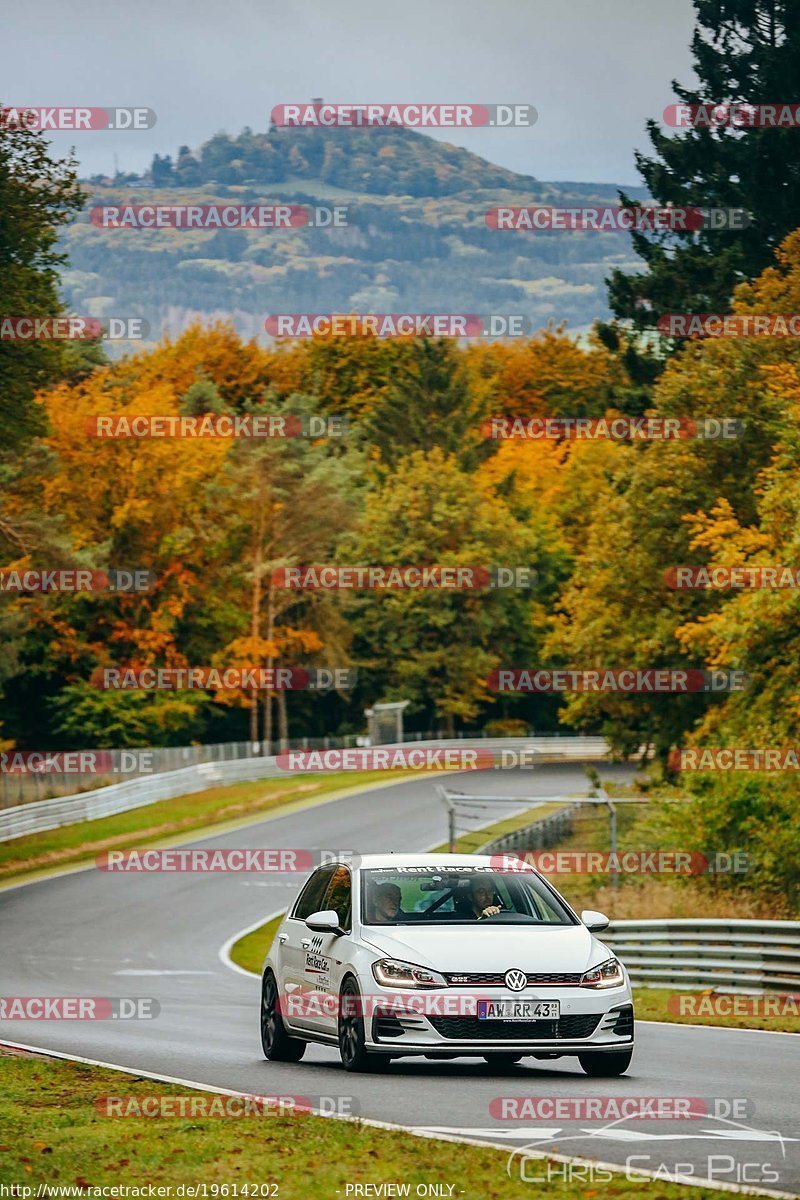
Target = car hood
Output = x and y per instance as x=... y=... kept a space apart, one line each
x=490 y=948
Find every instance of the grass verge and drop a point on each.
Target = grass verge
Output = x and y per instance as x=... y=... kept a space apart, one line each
x=52 y=1134
x=249 y=951
x=72 y=845
x=470 y=843
x=651 y=1005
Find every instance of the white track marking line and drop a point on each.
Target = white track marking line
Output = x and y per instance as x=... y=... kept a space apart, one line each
x=224 y=953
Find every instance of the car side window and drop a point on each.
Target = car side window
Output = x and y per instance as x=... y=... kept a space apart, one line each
x=339 y=896
x=310 y=899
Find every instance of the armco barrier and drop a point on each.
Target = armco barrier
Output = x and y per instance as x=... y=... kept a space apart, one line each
x=730 y=955
x=41 y=815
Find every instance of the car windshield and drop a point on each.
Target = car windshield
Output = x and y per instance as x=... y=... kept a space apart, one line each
x=427 y=895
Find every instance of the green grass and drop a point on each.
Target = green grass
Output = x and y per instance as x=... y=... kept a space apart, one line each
x=471 y=843
x=250 y=950
x=651 y=1005
x=172 y=819
x=51 y=1133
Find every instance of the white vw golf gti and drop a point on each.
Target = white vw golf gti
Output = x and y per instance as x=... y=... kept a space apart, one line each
x=443 y=955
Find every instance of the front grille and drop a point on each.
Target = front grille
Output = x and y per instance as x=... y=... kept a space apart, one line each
x=470 y=1028
x=497 y=978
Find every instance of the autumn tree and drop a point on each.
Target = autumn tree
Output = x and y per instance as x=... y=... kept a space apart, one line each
x=279 y=503
x=437 y=647
x=616 y=609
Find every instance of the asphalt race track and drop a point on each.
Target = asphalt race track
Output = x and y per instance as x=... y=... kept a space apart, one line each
x=92 y=933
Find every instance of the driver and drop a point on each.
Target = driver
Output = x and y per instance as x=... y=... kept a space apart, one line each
x=481 y=898
x=385 y=905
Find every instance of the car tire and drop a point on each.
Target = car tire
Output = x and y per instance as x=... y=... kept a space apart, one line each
x=604 y=1066
x=275 y=1041
x=352 y=1037
x=502 y=1061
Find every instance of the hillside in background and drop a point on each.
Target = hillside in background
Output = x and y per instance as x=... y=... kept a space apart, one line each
x=416 y=239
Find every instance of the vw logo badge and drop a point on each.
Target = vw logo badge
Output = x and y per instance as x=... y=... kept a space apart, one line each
x=516 y=980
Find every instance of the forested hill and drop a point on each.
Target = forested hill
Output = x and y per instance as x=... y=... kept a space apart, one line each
x=416 y=239
x=380 y=162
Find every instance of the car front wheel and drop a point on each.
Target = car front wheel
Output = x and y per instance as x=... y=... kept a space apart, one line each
x=603 y=1066
x=275 y=1041
x=352 y=1048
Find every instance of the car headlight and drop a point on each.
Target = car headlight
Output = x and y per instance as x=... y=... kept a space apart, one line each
x=393 y=972
x=608 y=974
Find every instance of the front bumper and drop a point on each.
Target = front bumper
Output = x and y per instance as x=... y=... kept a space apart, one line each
x=440 y=1021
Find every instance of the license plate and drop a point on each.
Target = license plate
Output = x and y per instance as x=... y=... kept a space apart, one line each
x=519 y=1010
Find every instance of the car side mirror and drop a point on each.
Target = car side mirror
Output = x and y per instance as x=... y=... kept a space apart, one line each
x=325 y=921
x=594 y=921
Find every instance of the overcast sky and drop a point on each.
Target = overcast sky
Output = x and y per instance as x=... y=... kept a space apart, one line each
x=594 y=69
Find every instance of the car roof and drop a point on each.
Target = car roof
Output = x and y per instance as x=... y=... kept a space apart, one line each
x=368 y=861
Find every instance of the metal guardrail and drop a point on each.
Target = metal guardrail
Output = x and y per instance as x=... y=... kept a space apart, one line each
x=714 y=952
x=538 y=835
x=42 y=815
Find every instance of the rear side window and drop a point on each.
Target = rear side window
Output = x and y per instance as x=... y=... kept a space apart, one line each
x=310 y=899
x=339 y=895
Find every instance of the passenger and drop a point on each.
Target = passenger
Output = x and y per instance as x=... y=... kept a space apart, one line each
x=385 y=905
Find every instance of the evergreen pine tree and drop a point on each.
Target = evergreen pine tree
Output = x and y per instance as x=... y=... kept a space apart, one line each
x=745 y=51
